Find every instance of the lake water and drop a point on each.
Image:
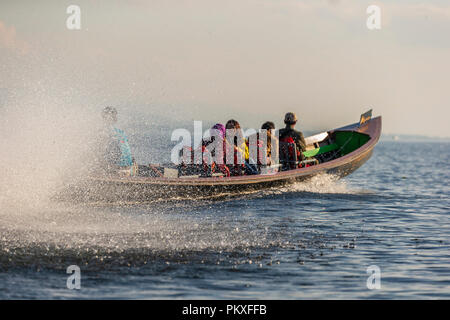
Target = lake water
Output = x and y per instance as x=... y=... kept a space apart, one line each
x=310 y=240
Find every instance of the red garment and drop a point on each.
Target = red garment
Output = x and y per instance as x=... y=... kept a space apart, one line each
x=291 y=149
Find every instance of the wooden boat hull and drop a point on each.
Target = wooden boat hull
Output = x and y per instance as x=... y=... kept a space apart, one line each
x=146 y=188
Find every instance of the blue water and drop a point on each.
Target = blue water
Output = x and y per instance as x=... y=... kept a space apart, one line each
x=311 y=240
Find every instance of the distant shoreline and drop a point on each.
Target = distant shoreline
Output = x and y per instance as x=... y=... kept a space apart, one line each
x=408 y=137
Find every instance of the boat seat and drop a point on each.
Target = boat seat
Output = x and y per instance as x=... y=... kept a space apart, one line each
x=320 y=150
x=272 y=169
x=307 y=162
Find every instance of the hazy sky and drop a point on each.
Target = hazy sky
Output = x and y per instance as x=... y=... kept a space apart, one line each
x=252 y=60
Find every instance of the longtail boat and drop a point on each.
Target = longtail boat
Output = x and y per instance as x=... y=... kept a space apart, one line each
x=340 y=151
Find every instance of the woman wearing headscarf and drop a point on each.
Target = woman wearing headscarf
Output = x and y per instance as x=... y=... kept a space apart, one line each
x=214 y=156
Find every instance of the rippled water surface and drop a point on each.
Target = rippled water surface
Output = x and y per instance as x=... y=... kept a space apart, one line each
x=310 y=240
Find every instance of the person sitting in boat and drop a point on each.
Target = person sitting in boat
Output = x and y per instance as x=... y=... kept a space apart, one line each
x=117 y=154
x=237 y=147
x=272 y=140
x=211 y=155
x=214 y=152
x=262 y=144
x=290 y=135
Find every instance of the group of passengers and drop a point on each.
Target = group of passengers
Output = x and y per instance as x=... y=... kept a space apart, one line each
x=241 y=146
x=117 y=153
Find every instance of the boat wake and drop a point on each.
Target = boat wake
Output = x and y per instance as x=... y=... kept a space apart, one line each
x=323 y=184
x=108 y=238
x=54 y=235
x=319 y=184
